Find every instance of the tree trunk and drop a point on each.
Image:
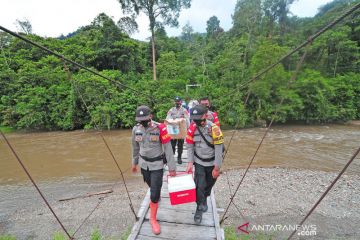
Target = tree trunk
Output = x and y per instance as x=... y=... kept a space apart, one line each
x=336 y=61
x=153 y=52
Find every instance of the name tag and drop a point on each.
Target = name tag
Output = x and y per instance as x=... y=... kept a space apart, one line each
x=139 y=136
x=154 y=137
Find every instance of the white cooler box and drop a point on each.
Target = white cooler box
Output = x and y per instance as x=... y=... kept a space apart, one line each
x=181 y=189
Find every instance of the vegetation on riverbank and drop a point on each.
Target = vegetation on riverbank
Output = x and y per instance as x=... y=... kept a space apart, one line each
x=6 y=129
x=38 y=93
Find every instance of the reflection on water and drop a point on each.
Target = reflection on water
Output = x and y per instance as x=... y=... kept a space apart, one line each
x=53 y=156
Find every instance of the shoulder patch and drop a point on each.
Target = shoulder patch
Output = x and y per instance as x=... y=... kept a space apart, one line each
x=217 y=135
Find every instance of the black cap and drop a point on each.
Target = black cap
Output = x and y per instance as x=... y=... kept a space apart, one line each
x=197 y=112
x=177 y=99
x=143 y=113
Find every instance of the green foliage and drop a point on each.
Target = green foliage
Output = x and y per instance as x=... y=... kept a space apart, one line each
x=232 y=234
x=59 y=236
x=95 y=235
x=5 y=129
x=7 y=237
x=37 y=92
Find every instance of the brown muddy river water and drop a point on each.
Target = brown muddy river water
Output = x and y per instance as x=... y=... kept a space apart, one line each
x=56 y=156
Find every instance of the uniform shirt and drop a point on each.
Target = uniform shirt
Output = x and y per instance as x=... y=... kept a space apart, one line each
x=175 y=113
x=213 y=117
x=197 y=144
x=152 y=142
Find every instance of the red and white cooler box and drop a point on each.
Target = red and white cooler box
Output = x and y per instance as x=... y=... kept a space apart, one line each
x=181 y=189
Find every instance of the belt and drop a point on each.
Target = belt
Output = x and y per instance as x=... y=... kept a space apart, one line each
x=154 y=159
x=204 y=159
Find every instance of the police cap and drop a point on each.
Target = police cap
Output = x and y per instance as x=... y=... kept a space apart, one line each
x=177 y=99
x=143 y=113
x=197 y=112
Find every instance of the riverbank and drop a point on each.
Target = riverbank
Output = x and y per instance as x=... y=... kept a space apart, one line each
x=268 y=196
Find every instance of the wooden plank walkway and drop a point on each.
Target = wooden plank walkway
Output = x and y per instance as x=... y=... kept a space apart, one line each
x=177 y=222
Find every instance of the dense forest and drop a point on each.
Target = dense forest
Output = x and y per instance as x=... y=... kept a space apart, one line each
x=39 y=91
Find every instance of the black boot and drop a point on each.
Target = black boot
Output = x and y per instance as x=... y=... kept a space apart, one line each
x=179 y=159
x=204 y=206
x=198 y=216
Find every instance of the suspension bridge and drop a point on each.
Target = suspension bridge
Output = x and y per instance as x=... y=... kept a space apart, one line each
x=176 y=219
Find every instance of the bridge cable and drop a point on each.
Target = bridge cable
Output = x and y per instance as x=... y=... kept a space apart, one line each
x=293 y=78
x=306 y=43
x=35 y=185
x=327 y=190
x=73 y=62
x=302 y=45
x=113 y=157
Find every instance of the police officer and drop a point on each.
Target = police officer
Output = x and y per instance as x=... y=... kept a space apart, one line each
x=175 y=113
x=205 y=147
x=211 y=116
x=150 y=145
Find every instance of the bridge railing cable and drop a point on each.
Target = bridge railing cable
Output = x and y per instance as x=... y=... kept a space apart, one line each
x=327 y=190
x=35 y=185
x=293 y=78
x=109 y=150
x=140 y=93
x=306 y=43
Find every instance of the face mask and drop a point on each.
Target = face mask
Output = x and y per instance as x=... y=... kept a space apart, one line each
x=145 y=123
x=199 y=122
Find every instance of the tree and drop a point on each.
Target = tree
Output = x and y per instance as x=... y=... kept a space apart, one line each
x=277 y=11
x=167 y=10
x=187 y=32
x=213 y=27
x=247 y=17
x=128 y=25
x=24 y=26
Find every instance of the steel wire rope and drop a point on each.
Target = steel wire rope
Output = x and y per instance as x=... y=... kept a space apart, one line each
x=34 y=183
x=73 y=62
x=293 y=78
x=327 y=191
x=302 y=45
x=306 y=43
x=108 y=148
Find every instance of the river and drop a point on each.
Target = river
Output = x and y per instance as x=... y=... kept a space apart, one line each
x=56 y=156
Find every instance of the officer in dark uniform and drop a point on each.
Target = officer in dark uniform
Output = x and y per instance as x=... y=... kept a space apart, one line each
x=205 y=147
x=150 y=146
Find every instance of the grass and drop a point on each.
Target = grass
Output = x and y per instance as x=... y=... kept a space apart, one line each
x=231 y=234
x=6 y=130
x=7 y=237
x=95 y=235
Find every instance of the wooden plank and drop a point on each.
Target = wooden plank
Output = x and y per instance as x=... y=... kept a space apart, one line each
x=180 y=231
x=142 y=237
x=141 y=214
x=182 y=217
x=177 y=221
x=216 y=217
x=190 y=207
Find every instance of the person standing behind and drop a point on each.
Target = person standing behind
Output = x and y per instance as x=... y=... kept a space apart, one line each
x=150 y=145
x=211 y=116
x=178 y=112
x=205 y=147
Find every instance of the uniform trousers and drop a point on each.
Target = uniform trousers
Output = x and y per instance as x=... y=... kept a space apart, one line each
x=180 y=143
x=204 y=182
x=154 y=181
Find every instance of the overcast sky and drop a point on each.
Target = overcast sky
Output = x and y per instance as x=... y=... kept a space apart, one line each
x=52 y=18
